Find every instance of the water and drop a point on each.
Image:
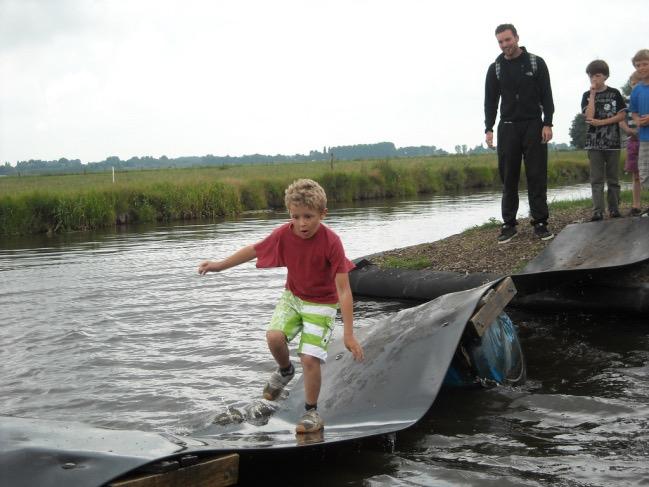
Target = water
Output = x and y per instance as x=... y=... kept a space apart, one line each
x=117 y=329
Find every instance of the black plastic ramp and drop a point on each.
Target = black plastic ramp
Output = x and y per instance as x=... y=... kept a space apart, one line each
x=586 y=249
x=406 y=358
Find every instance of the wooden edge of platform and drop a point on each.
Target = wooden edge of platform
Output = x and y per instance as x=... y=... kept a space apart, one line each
x=492 y=304
x=211 y=472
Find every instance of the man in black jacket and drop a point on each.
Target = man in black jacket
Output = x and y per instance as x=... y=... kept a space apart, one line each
x=522 y=82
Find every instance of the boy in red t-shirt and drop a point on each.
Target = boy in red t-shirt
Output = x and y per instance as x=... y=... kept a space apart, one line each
x=316 y=284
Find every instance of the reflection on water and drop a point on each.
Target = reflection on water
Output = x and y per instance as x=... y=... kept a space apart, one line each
x=117 y=329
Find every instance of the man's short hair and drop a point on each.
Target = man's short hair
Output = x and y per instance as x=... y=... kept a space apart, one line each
x=597 y=67
x=641 y=55
x=504 y=27
x=306 y=192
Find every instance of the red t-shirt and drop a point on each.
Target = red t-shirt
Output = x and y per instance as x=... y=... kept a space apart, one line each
x=312 y=263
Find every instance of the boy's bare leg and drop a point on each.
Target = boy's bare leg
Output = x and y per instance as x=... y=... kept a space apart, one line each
x=312 y=380
x=278 y=347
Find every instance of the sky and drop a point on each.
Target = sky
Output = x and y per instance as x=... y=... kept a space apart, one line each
x=89 y=79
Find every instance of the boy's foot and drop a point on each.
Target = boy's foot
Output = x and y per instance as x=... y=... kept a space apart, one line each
x=541 y=231
x=645 y=213
x=309 y=422
x=309 y=438
x=277 y=382
x=635 y=212
x=507 y=232
x=597 y=216
x=614 y=214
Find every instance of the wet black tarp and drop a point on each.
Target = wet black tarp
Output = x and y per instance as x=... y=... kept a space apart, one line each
x=587 y=250
x=407 y=356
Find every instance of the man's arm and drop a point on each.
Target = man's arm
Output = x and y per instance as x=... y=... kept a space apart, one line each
x=491 y=98
x=346 y=303
x=545 y=91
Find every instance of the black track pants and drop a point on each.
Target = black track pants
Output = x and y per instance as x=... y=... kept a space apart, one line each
x=516 y=141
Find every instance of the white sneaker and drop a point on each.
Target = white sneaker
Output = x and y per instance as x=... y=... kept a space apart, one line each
x=276 y=384
x=309 y=422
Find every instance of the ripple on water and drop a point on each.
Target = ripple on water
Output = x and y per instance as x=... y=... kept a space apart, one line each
x=118 y=330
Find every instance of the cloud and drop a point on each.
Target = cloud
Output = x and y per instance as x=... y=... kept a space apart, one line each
x=89 y=79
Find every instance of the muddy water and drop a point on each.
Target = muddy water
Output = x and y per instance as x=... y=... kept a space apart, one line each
x=117 y=329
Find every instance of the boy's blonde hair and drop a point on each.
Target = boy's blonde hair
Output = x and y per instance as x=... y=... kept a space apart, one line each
x=641 y=55
x=306 y=192
x=634 y=78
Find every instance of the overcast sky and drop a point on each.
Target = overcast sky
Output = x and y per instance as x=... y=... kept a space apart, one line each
x=89 y=79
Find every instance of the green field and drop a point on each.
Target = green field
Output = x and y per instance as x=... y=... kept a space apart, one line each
x=36 y=204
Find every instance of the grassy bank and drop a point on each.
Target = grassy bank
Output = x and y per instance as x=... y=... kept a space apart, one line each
x=37 y=204
x=476 y=249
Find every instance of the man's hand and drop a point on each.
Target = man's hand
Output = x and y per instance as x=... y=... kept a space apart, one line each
x=489 y=138
x=354 y=347
x=546 y=134
x=643 y=121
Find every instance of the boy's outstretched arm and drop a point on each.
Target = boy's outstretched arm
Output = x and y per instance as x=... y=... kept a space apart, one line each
x=239 y=257
x=346 y=303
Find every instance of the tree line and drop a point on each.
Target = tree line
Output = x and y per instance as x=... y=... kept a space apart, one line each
x=381 y=150
x=343 y=153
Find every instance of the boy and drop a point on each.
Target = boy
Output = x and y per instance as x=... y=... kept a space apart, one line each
x=316 y=284
x=629 y=127
x=639 y=106
x=604 y=108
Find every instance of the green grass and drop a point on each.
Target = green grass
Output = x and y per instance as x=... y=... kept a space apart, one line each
x=56 y=203
x=491 y=224
x=413 y=263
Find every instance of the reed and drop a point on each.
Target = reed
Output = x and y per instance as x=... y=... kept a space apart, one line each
x=59 y=203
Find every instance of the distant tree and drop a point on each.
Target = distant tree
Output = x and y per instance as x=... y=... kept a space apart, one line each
x=7 y=169
x=479 y=149
x=113 y=161
x=559 y=147
x=577 y=131
x=626 y=89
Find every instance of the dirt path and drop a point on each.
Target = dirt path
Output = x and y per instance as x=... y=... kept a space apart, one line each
x=477 y=250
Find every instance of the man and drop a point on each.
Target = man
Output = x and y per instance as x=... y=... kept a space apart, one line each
x=522 y=82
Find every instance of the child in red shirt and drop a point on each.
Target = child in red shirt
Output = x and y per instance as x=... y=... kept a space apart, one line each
x=317 y=283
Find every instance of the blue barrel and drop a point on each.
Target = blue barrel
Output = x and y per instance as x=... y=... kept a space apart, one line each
x=495 y=358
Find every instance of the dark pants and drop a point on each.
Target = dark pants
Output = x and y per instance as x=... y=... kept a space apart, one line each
x=516 y=141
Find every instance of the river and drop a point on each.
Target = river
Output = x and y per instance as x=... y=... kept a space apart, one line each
x=117 y=329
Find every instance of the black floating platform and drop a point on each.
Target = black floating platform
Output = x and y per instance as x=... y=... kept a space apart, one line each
x=586 y=251
x=582 y=269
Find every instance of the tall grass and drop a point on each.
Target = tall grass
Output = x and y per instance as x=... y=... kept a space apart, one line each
x=37 y=204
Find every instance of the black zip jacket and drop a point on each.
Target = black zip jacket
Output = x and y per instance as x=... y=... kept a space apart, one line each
x=525 y=95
